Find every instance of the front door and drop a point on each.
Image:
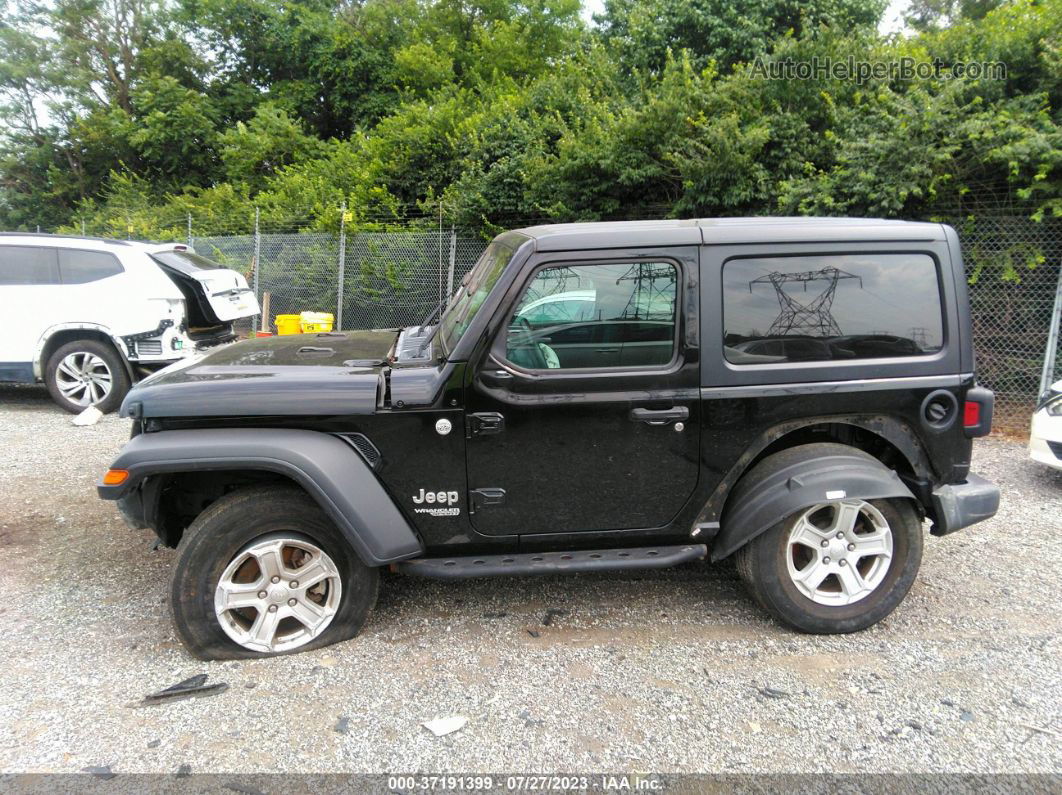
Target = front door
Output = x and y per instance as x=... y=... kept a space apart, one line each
x=583 y=415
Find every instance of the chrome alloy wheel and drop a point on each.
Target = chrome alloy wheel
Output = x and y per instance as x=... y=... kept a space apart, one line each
x=839 y=552
x=278 y=593
x=84 y=378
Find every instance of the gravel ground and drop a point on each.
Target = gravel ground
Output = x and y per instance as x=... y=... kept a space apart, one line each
x=673 y=671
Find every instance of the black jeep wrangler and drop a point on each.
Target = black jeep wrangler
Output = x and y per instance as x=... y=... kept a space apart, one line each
x=797 y=393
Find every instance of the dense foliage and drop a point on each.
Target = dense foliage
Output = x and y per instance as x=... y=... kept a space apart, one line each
x=123 y=116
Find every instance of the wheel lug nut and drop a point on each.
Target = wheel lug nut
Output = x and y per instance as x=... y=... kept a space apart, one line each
x=275 y=580
x=262 y=594
x=291 y=603
x=294 y=583
x=272 y=608
x=840 y=535
x=825 y=543
x=851 y=547
x=826 y=559
x=843 y=562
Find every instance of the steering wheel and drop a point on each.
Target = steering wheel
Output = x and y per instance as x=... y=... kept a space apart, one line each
x=525 y=325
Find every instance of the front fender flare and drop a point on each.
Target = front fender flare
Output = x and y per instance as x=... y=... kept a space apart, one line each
x=799 y=478
x=328 y=468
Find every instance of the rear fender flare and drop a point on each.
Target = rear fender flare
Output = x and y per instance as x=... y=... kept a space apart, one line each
x=329 y=469
x=893 y=431
x=798 y=478
x=39 y=362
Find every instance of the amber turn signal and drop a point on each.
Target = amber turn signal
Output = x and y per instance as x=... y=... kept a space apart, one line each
x=115 y=477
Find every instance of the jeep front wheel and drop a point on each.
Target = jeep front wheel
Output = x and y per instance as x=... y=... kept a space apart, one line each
x=835 y=567
x=263 y=571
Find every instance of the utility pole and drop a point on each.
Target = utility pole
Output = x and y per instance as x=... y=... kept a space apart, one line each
x=440 y=252
x=256 y=265
x=795 y=317
x=450 y=272
x=342 y=264
x=1051 y=351
x=190 y=244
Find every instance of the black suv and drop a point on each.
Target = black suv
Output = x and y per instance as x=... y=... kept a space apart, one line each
x=797 y=393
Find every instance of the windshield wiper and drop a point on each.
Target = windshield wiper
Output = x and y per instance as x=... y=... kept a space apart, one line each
x=433 y=314
x=427 y=340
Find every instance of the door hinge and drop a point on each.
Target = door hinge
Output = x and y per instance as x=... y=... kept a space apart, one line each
x=481 y=498
x=484 y=423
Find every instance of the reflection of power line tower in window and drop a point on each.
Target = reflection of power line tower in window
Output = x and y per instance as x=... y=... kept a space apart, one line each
x=917 y=335
x=814 y=319
x=654 y=287
x=552 y=281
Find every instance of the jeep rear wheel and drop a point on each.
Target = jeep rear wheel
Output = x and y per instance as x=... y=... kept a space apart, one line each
x=263 y=572
x=835 y=567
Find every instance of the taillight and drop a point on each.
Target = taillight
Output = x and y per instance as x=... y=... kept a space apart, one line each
x=977 y=411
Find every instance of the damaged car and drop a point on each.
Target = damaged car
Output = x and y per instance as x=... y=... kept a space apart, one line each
x=91 y=317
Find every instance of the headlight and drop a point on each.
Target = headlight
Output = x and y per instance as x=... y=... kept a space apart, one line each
x=1051 y=402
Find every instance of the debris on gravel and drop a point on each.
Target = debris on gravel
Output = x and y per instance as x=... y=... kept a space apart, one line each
x=192 y=687
x=673 y=670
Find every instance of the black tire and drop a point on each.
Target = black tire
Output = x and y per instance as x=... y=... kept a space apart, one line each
x=111 y=358
x=762 y=566
x=230 y=525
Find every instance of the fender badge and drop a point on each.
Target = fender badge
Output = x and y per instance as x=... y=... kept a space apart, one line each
x=443 y=427
x=835 y=495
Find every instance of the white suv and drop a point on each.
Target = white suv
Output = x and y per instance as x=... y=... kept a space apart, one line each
x=89 y=317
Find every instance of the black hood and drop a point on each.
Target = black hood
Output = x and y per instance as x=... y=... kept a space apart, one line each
x=330 y=373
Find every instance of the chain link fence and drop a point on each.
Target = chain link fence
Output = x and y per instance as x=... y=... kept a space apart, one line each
x=387 y=279
x=1013 y=270
x=396 y=278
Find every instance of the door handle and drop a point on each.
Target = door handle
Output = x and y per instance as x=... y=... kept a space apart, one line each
x=485 y=423
x=660 y=416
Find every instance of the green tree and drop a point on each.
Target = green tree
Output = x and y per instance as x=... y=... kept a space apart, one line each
x=724 y=31
x=937 y=14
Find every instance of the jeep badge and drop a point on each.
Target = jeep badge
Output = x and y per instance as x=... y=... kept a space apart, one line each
x=443 y=427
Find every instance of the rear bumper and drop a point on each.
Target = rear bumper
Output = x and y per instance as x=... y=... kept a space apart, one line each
x=959 y=505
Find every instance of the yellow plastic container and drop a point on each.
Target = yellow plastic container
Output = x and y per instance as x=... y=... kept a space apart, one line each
x=316 y=321
x=289 y=324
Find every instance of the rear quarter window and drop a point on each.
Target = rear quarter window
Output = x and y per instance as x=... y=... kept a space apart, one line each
x=77 y=266
x=831 y=307
x=28 y=265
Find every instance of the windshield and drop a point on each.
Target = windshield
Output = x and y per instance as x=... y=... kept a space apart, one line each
x=473 y=292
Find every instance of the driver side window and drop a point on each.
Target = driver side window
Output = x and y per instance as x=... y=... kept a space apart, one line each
x=586 y=316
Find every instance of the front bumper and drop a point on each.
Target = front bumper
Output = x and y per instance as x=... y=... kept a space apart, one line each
x=1045 y=439
x=959 y=505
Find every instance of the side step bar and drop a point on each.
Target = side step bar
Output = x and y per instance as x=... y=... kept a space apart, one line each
x=554 y=562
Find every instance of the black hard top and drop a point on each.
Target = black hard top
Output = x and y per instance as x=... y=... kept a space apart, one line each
x=722 y=231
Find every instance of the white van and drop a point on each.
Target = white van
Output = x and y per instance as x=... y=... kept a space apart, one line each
x=90 y=317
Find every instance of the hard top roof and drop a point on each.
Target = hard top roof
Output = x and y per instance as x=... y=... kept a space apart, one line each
x=767 y=229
